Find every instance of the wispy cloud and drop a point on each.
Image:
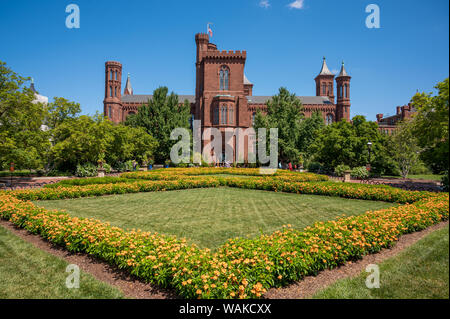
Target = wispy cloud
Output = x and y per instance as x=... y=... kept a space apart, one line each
x=264 y=4
x=297 y=4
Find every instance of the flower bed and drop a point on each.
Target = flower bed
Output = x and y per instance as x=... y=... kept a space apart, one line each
x=241 y=268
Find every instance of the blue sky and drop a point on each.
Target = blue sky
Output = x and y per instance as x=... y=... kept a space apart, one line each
x=284 y=39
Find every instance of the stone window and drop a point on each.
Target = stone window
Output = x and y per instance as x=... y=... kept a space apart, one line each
x=329 y=119
x=216 y=116
x=110 y=91
x=324 y=89
x=109 y=112
x=224 y=75
x=230 y=115
x=116 y=76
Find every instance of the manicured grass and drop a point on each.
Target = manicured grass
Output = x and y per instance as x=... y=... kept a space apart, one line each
x=27 y=272
x=208 y=217
x=421 y=271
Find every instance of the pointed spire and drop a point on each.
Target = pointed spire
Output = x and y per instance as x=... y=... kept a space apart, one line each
x=325 y=70
x=128 y=88
x=343 y=71
x=32 y=85
x=246 y=81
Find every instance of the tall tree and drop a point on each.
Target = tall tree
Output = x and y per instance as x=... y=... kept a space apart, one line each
x=309 y=127
x=283 y=113
x=431 y=126
x=21 y=139
x=159 y=117
x=405 y=149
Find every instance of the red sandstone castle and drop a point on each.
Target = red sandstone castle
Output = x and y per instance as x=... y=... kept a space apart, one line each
x=223 y=95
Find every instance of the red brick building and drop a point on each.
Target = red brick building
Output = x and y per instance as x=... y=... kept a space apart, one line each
x=389 y=124
x=223 y=95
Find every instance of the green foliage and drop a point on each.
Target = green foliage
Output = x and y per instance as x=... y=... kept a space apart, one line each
x=315 y=167
x=21 y=139
x=61 y=110
x=159 y=117
x=308 y=129
x=431 y=126
x=86 y=170
x=360 y=172
x=283 y=113
x=340 y=169
x=346 y=143
x=404 y=149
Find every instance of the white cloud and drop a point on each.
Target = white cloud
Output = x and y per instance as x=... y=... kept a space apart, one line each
x=297 y=4
x=264 y=4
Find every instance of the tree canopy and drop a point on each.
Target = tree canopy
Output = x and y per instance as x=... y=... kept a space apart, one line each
x=431 y=126
x=159 y=117
x=283 y=113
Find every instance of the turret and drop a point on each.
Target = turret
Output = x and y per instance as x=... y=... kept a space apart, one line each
x=343 y=95
x=113 y=83
x=325 y=82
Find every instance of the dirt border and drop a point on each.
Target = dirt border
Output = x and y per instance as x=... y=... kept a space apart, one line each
x=307 y=287
x=134 y=288
x=130 y=286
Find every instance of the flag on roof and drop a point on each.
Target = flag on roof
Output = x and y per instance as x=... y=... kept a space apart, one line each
x=209 y=30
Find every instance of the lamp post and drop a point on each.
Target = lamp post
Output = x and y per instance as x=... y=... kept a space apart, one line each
x=369 y=147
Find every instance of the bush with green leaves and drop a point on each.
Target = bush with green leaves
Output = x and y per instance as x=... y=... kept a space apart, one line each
x=360 y=172
x=445 y=182
x=315 y=167
x=340 y=169
x=86 y=170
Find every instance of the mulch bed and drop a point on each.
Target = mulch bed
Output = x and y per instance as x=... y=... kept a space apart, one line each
x=307 y=287
x=130 y=286
x=133 y=288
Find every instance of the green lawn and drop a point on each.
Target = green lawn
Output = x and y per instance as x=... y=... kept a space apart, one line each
x=210 y=216
x=421 y=271
x=27 y=272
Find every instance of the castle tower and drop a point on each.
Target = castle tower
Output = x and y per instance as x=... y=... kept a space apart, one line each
x=325 y=82
x=343 y=95
x=112 y=106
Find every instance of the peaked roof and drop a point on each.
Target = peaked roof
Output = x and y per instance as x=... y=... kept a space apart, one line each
x=325 y=70
x=343 y=71
x=246 y=81
x=32 y=86
x=128 y=88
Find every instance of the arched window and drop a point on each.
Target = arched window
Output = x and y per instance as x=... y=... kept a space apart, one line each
x=324 y=89
x=216 y=115
x=116 y=76
x=230 y=115
x=111 y=74
x=329 y=119
x=115 y=91
x=330 y=89
x=340 y=91
x=110 y=91
x=224 y=75
x=345 y=91
x=109 y=112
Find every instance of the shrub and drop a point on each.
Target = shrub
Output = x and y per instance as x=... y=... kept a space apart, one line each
x=360 y=172
x=86 y=170
x=107 y=168
x=315 y=167
x=340 y=169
